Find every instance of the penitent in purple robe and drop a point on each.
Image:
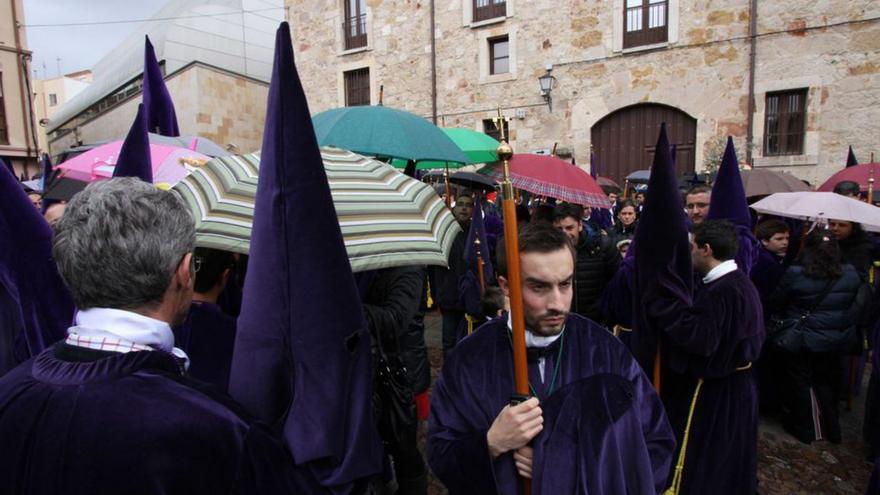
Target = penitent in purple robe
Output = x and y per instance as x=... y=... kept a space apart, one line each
x=605 y=428
x=721 y=333
x=81 y=421
x=208 y=338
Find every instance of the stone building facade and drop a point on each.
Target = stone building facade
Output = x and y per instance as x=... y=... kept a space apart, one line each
x=210 y=102
x=812 y=69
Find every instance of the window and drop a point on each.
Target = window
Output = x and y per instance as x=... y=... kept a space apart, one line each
x=357 y=87
x=53 y=99
x=489 y=9
x=4 y=134
x=355 y=25
x=645 y=22
x=499 y=55
x=784 y=120
x=490 y=130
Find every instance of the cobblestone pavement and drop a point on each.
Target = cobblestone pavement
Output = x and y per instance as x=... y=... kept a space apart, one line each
x=785 y=465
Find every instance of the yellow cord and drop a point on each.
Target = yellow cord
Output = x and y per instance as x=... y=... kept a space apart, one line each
x=679 y=466
x=470 y=323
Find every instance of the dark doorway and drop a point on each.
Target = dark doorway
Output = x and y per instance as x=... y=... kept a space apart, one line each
x=624 y=140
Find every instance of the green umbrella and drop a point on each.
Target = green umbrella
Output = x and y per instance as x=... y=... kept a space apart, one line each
x=385 y=132
x=479 y=148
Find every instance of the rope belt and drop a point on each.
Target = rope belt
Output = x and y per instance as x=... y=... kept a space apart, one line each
x=618 y=329
x=470 y=323
x=679 y=466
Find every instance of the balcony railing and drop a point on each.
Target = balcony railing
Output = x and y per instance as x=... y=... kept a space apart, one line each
x=489 y=9
x=355 y=31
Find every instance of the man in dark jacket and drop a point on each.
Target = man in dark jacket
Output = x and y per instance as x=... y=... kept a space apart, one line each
x=445 y=281
x=390 y=299
x=597 y=261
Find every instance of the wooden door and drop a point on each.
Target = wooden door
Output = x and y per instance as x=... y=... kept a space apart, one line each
x=623 y=141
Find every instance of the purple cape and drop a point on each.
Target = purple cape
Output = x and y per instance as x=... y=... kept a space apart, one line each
x=623 y=445
x=722 y=331
x=96 y=422
x=35 y=305
x=208 y=337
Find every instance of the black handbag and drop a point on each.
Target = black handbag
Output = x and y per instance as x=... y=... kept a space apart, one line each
x=787 y=334
x=393 y=401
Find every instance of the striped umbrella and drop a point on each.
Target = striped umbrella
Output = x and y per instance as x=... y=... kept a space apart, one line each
x=387 y=218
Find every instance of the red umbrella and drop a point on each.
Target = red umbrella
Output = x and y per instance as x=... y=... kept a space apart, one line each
x=547 y=175
x=857 y=173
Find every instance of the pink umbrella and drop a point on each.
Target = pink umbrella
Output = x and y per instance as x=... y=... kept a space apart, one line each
x=169 y=163
x=547 y=175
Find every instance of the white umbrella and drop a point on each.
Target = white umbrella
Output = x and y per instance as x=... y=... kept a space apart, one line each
x=820 y=206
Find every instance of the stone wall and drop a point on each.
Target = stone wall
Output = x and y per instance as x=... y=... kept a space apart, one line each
x=211 y=103
x=702 y=70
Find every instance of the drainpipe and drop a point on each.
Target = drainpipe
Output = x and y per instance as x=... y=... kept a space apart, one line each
x=21 y=82
x=753 y=41
x=433 y=67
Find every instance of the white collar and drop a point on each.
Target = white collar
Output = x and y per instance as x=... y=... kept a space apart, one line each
x=126 y=325
x=719 y=271
x=533 y=340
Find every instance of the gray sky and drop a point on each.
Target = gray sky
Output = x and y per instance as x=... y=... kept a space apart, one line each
x=79 y=47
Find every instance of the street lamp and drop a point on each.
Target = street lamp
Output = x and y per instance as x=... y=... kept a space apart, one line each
x=547 y=81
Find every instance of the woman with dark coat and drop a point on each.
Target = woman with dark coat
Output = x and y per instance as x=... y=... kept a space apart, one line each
x=824 y=293
x=625 y=227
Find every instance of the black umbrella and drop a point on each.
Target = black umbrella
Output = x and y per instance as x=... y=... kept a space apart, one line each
x=473 y=180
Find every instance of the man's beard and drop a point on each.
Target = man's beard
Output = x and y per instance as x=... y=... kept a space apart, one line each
x=535 y=325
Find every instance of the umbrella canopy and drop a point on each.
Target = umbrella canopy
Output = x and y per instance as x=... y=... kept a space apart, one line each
x=473 y=180
x=608 y=184
x=169 y=163
x=387 y=218
x=855 y=173
x=639 y=176
x=386 y=132
x=478 y=147
x=193 y=143
x=761 y=182
x=547 y=175
x=820 y=206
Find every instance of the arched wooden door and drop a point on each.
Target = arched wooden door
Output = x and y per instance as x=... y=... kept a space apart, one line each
x=623 y=141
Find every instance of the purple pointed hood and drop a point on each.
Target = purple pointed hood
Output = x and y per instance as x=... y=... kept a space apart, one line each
x=851 y=159
x=134 y=157
x=663 y=271
x=302 y=351
x=35 y=304
x=729 y=203
x=159 y=107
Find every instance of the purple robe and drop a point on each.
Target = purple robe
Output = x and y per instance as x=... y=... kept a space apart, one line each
x=722 y=331
x=81 y=421
x=208 y=338
x=605 y=428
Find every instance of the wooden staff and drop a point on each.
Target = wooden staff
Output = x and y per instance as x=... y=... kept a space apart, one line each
x=514 y=281
x=480 y=269
x=871 y=185
x=446 y=181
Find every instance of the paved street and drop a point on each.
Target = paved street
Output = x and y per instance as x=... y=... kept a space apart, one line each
x=785 y=466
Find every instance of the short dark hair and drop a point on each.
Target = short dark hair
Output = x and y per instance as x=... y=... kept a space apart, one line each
x=626 y=202
x=720 y=235
x=211 y=264
x=534 y=238
x=698 y=189
x=768 y=228
x=491 y=302
x=847 y=188
x=566 y=210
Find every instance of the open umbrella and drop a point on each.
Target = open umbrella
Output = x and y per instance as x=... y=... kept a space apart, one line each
x=820 y=206
x=169 y=163
x=856 y=173
x=639 y=177
x=546 y=175
x=387 y=218
x=385 y=132
x=478 y=147
x=473 y=180
x=761 y=182
x=608 y=184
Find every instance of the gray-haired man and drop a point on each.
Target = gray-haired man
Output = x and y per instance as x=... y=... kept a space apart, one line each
x=109 y=409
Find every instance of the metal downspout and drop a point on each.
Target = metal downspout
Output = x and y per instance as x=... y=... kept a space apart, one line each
x=753 y=48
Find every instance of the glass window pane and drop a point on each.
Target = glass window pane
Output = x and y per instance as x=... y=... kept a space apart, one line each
x=633 y=20
x=501 y=49
x=633 y=3
x=657 y=16
x=502 y=66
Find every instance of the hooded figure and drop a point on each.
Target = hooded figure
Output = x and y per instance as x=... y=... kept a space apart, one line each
x=728 y=202
x=302 y=348
x=35 y=305
x=134 y=156
x=160 y=115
